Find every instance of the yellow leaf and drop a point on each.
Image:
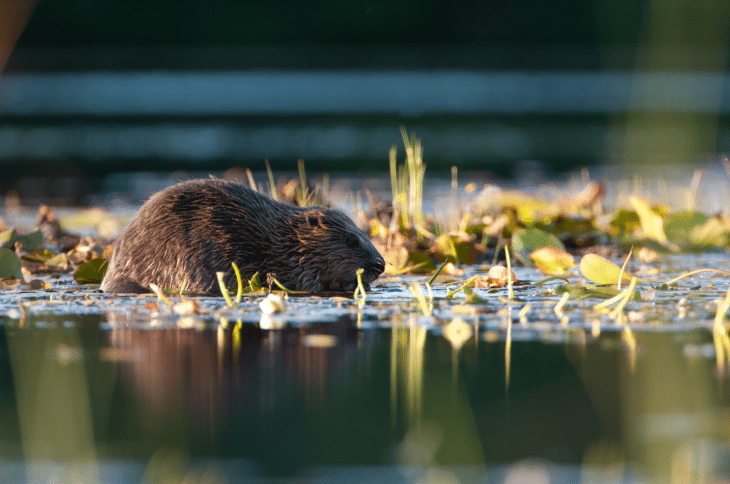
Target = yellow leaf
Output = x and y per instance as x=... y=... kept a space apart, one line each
x=652 y=224
x=552 y=261
x=600 y=270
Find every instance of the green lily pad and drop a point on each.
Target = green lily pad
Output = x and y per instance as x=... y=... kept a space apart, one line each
x=596 y=292
x=30 y=241
x=10 y=265
x=527 y=241
x=91 y=272
x=694 y=230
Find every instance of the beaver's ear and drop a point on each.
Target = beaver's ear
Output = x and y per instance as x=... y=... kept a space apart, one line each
x=314 y=218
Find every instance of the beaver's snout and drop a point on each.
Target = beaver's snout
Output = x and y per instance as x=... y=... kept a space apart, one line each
x=378 y=267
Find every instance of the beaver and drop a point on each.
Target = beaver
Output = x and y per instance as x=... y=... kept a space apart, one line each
x=186 y=233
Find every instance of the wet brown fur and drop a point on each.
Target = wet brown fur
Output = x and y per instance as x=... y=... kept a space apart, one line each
x=184 y=234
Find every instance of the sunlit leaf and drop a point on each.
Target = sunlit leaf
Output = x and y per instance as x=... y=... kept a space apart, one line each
x=421 y=263
x=552 y=261
x=527 y=241
x=624 y=222
x=8 y=236
x=458 y=247
x=10 y=265
x=710 y=234
x=39 y=255
x=600 y=270
x=91 y=272
x=529 y=209
x=652 y=224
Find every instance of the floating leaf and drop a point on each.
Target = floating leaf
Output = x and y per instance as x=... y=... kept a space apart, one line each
x=529 y=209
x=39 y=255
x=91 y=272
x=527 y=241
x=678 y=226
x=10 y=265
x=398 y=260
x=8 y=236
x=600 y=270
x=458 y=247
x=652 y=224
x=30 y=240
x=598 y=292
x=254 y=284
x=710 y=234
x=61 y=260
x=552 y=261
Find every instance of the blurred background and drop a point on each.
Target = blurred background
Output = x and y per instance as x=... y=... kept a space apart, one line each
x=90 y=90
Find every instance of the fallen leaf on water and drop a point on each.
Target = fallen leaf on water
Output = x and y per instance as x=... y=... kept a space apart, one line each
x=552 y=261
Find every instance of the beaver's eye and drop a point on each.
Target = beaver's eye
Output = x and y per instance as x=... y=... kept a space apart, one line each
x=353 y=242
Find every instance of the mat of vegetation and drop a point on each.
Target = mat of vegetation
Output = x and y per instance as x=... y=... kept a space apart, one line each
x=508 y=262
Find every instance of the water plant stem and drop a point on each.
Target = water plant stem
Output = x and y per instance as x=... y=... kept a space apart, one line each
x=159 y=293
x=239 y=292
x=470 y=281
x=224 y=289
x=510 y=291
x=359 y=293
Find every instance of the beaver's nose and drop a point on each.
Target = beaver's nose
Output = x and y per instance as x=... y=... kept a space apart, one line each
x=379 y=266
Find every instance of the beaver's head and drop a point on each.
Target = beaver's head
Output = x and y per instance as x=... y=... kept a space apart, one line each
x=331 y=250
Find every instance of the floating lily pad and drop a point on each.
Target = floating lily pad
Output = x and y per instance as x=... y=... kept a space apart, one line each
x=694 y=230
x=91 y=272
x=10 y=265
x=552 y=261
x=527 y=241
x=30 y=240
x=597 y=292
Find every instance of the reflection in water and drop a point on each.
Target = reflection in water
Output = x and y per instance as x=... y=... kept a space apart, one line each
x=315 y=399
x=406 y=372
x=237 y=369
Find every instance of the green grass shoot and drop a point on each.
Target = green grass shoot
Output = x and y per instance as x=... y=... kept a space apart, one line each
x=510 y=291
x=272 y=183
x=436 y=274
x=224 y=289
x=467 y=283
x=239 y=292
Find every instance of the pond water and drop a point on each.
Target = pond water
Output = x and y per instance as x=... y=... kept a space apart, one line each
x=123 y=389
